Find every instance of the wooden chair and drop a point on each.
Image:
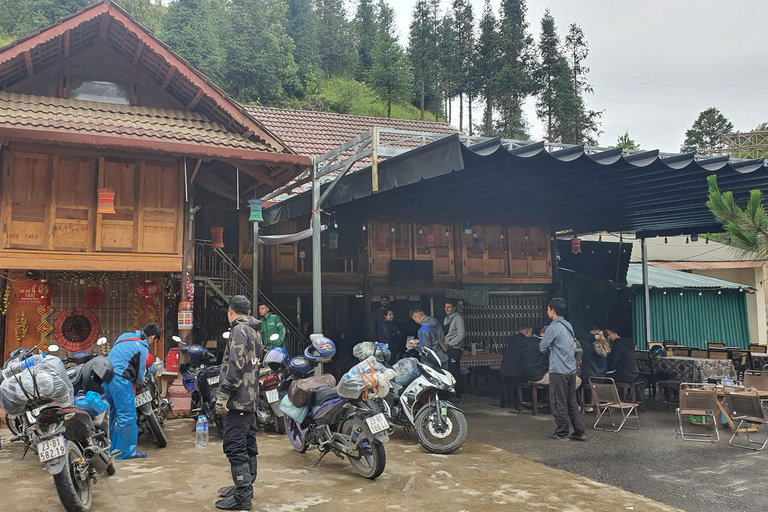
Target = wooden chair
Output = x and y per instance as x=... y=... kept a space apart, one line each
x=745 y=406
x=699 y=352
x=697 y=400
x=606 y=398
x=535 y=392
x=717 y=353
x=710 y=346
x=758 y=349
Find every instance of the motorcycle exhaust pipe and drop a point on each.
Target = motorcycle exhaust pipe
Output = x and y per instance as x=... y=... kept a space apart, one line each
x=98 y=460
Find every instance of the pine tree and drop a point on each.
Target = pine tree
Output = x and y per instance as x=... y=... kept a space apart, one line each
x=704 y=134
x=518 y=59
x=548 y=73
x=338 y=53
x=464 y=33
x=194 y=29
x=365 y=35
x=626 y=142
x=584 y=124
x=448 y=63
x=486 y=70
x=389 y=74
x=147 y=12
x=421 y=50
x=748 y=228
x=302 y=28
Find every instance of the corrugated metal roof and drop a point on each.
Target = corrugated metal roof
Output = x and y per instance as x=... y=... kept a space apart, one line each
x=665 y=278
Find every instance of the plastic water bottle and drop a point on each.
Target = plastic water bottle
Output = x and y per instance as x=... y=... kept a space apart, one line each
x=200 y=432
x=205 y=430
x=17 y=368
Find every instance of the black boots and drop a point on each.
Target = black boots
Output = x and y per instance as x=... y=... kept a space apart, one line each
x=241 y=497
x=230 y=489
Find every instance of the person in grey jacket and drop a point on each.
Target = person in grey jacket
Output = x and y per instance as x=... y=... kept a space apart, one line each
x=559 y=340
x=453 y=328
x=430 y=334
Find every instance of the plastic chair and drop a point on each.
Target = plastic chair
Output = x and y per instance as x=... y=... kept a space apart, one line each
x=606 y=398
x=697 y=400
x=745 y=406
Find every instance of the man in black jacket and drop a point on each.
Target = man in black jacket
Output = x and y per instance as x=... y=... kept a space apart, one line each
x=622 y=362
x=512 y=369
x=238 y=396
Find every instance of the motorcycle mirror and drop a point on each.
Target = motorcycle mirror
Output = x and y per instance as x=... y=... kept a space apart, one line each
x=274 y=337
x=101 y=341
x=225 y=335
x=176 y=339
x=53 y=348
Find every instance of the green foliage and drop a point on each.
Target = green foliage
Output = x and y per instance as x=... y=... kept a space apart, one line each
x=464 y=44
x=486 y=71
x=150 y=14
x=389 y=74
x=583 y=125
x=365 y=36
x=338 y=53
x=747 y=228
x=193 y=28
x=301 y=26
x=626 y=142
x=704 y=134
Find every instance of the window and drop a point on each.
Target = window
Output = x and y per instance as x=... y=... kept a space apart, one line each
x=102 y=92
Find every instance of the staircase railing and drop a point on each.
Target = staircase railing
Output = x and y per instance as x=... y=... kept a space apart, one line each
x=228 y=279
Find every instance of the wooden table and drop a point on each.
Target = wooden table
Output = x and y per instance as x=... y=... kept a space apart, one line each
x=477 y=365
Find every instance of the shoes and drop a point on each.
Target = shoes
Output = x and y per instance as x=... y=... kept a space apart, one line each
x=555 y=437
x=578 y=437
x=137 y=455
x=589 y=409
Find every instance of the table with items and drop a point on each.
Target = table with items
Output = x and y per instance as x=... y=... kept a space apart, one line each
x=694 y=369
x=480 y=367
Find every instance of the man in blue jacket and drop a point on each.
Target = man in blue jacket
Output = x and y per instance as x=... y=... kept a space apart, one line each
x=129 y=358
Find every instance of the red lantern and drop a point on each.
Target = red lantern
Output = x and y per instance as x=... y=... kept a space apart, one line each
x=44 y=290
x=149 y=291
x=106 y=201
x=217 y=237
x=576 y=245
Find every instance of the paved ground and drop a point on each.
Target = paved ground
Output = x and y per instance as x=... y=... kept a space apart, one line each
x=653 y=462
x=477 y=478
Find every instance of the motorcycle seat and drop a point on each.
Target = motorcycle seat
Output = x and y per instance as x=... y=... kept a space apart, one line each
x=323 y=395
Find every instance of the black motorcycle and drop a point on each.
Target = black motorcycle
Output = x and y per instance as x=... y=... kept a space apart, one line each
x=151 y=410
x=200 y=376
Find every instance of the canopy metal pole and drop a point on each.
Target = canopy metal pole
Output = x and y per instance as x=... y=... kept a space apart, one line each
x=317 y=300
x=646 y=294
x=255 y=300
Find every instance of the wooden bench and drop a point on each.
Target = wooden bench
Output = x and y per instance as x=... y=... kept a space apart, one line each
x=535 y=392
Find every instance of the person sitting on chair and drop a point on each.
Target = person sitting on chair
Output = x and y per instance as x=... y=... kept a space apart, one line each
x=622 y=364
x=512 y=369
x=595 y=362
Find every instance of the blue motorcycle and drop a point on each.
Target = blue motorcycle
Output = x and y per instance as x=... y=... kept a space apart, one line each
x=200 y=377
x=353 y=427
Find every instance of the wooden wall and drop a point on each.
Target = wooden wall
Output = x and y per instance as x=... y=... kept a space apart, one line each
x=49 y=202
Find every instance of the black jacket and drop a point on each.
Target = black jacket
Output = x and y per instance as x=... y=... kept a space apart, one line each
x=377 y=318
x=239 y=376
x=535 y=362
x=390 y=334
x=622 y=357
x=592 y=364
x=512 y=364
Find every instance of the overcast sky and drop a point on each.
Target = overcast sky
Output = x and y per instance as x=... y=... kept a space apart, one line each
x=655 y=64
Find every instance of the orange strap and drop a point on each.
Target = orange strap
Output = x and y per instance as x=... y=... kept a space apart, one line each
x=368 y=379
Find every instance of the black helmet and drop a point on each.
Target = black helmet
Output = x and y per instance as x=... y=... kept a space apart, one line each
x=96 y=372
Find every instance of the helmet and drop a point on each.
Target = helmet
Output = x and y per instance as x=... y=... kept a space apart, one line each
x=321 y=350
x=277 y=358
x=300 y=365
x=658 y=351
x=96 y=372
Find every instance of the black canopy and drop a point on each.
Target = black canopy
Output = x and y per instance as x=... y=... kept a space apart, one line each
x=486 y=184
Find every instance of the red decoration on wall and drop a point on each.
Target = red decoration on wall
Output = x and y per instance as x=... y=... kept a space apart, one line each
x=44 y=291
x=217 y=237
x=149 y=290
x=76 y=329
x=94 y=297
x=576 y=245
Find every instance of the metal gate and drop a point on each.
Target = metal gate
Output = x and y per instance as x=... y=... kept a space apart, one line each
x=490 y=326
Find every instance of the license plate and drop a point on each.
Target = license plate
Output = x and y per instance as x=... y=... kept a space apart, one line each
x=377 y=423
x=272 y=396
x=143 y=398
x=213 y=380
x=51 y=449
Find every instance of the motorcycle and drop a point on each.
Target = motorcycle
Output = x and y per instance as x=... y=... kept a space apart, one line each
x=352 y=427
x=73 y=445
x=151 y=410
x=268 y=412
x=200 y=377
x=424 y=405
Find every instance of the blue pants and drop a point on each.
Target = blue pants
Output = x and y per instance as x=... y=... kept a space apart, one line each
x=123 y=430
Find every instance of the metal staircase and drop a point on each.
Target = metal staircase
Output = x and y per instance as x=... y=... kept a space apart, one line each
x=224 y=278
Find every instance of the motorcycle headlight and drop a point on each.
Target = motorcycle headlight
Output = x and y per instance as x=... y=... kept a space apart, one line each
x=430 y=375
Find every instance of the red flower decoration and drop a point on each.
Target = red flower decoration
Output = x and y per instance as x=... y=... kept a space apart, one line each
x=94 y=297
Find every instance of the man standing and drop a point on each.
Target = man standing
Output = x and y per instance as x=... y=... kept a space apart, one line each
x=390 y=334
x=129 y=359
x=430 y=335
x=559 y=340
x=238 y=395
x=271 y=324
x=377 y=316
x=512 y=370
x=453 y=328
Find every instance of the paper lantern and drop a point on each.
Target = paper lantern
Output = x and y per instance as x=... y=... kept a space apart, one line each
x=478 y=245
x=149 y=290
x=44 y=290
x=333 y=240
x=106 y=201
x=217 y=237
x=255 y=205
x=94 y=297
x=576 y=245
x=185 y=315
x=429 y=240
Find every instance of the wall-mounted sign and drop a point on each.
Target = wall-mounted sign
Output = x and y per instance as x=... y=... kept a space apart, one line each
x=27 y=295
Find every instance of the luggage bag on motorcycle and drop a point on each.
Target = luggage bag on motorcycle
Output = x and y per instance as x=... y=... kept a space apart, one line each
x=300 y=391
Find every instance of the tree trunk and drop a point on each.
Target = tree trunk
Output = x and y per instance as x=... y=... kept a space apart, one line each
x=469 y=114
x=422 y=96
x=389 y=109
x=461 y=113
x=437 y=105
x=488 y=113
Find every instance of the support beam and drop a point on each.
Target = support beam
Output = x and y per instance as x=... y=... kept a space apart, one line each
x=646 y=294
x=137 y=54
x=317 y=287
x=104 y=26
x=255 y=172
x=28 y=62
x=255 y=278
x=197 y=168
x=169 y=76
x=248 y=133
x=66 y=44
x=196 y=99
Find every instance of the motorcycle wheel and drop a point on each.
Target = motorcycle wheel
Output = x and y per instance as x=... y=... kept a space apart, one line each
x=157 y=430
x=297 y=439
x=111 y=468
x=279 y=425
x=371 y=464
x=74 y=493
x=15 y=425
x=437 y=439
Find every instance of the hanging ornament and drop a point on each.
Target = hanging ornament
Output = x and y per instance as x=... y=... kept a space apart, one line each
x=333 y=240
x=148 y=291
x=467 y=229
x=135 y=311
x=44 y=328
x=256 y=206
x=478 y=245
x=575 y=245
x=106 y=201
x=6 y=299
x=429 y=240
x=94 y=297
x=21 y=327
x=76 y=329
x=44 y=290
x=217 y=237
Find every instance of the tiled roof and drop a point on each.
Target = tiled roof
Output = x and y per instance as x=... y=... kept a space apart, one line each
x=22 y=111
x=312 y=133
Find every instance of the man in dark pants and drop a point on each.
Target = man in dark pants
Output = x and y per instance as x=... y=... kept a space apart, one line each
x=512 y=370
x=453 y=329
x=238 y=395
x=560 y=342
